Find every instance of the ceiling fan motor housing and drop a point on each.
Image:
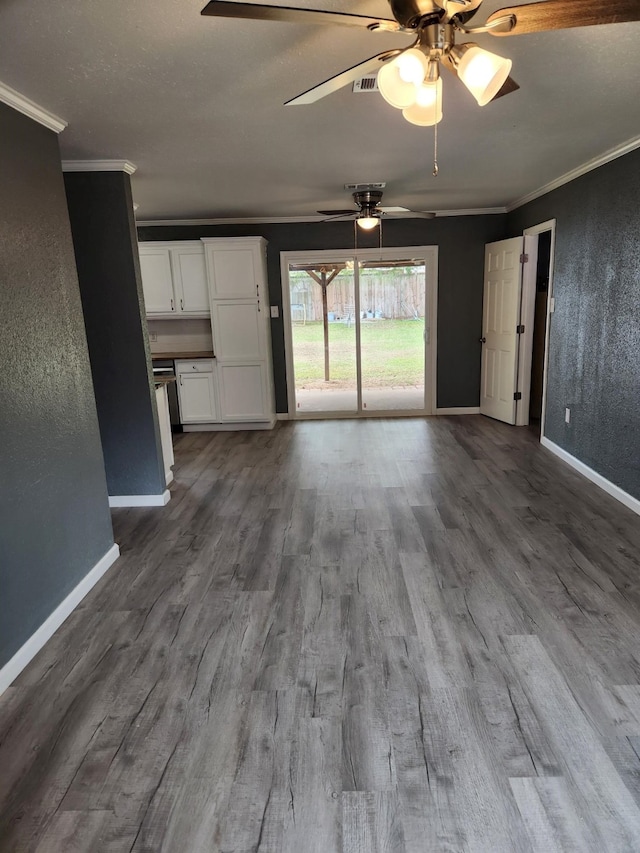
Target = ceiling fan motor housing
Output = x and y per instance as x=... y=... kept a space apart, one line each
x=409 y=13
x=368 y=201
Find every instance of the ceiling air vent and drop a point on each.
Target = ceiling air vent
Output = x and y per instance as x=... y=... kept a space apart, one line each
x=366 y=84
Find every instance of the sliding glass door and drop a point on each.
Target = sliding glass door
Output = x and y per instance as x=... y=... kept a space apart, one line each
x=392 y=334
x=358 y=331
x=323 y=334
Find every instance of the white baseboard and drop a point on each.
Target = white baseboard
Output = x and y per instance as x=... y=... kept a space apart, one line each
x=12 y=669
x=169 y=476
x=283 y=416
x=459 y=410
x=140 y=500
x=234 y=427
x=609 y=487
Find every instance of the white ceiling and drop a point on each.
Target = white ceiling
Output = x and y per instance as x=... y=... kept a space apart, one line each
x=197 y=104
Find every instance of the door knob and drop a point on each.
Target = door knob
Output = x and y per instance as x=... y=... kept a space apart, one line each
x=483 y=340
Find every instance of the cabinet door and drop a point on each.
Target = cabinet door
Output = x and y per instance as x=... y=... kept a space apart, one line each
x=243 y=392
x=157 y=281
x=237 y=331
x=190 y=280
x=197 y=394
x=234 y=272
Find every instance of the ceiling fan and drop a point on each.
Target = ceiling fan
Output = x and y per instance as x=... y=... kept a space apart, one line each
x=409 y=78
x=369 y=211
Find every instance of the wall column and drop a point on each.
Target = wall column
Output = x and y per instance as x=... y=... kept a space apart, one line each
x=106 y=250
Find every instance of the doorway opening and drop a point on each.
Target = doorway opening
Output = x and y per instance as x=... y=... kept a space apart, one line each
x=543 y=262
x=535 y=316
x=359 y=333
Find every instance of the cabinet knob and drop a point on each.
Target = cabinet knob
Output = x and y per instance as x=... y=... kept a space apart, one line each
x=172 y=308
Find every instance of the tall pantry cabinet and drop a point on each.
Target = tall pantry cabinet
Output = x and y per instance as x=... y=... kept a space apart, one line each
x=237 y=279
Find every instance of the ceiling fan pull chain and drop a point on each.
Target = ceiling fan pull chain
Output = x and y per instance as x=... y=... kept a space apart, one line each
x=435 y=150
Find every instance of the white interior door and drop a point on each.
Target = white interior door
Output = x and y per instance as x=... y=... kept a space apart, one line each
x=500 y=318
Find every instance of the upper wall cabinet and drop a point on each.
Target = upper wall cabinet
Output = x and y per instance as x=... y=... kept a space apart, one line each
x=236 y=267
x=174 y=279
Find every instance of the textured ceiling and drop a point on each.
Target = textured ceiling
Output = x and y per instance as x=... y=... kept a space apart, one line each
x=197 y=104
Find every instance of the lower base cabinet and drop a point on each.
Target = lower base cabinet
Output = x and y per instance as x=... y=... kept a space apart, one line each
x=225 y=394
x=197 y=394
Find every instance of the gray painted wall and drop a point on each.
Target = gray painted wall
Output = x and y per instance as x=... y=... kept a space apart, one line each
x=54 y=516
x=594 y=347
x=460 y=242
x=106 y=250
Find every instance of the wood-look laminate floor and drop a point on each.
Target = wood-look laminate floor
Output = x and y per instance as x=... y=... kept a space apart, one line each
x=381 y=635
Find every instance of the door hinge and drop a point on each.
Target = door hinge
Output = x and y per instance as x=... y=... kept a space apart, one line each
x=520 y=329
x=524 y=258
x=517 y=395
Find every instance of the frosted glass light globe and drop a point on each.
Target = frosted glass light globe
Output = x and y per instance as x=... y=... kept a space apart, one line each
x=367 y=222
x=398 y=78
x=483 y=73
x=427 y=109
x=412 y=66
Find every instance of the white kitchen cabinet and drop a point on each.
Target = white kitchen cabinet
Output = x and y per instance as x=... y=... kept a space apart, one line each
x=157 y=280
x=241 y=326
x=197 y=394
x=238 y=330
x=174 y=279
x=235 y=267
x=190 y=279
x=243 y=393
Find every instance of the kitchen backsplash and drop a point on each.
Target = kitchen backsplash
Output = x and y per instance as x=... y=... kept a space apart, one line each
x=180 y=335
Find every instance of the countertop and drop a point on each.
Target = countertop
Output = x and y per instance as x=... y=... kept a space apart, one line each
x=202 y=354
x=163 y=380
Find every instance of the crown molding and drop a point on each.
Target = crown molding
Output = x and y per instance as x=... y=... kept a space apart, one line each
x=589 y=166
x=29 y=108
x=471 y=211
x=98 y=166
x=285 y=220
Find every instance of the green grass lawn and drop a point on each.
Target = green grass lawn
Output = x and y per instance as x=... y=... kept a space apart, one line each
x=392 y=354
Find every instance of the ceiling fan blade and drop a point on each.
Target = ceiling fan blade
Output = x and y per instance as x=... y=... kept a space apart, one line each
x=353 y=214
x=328 y=87
x=411 y=214
x=393 y=209
x=349 y=212
x=563 y=14
x=289 y=14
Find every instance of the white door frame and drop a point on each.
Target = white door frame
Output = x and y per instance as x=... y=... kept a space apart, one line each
x=428 y=254
x=527 y=313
